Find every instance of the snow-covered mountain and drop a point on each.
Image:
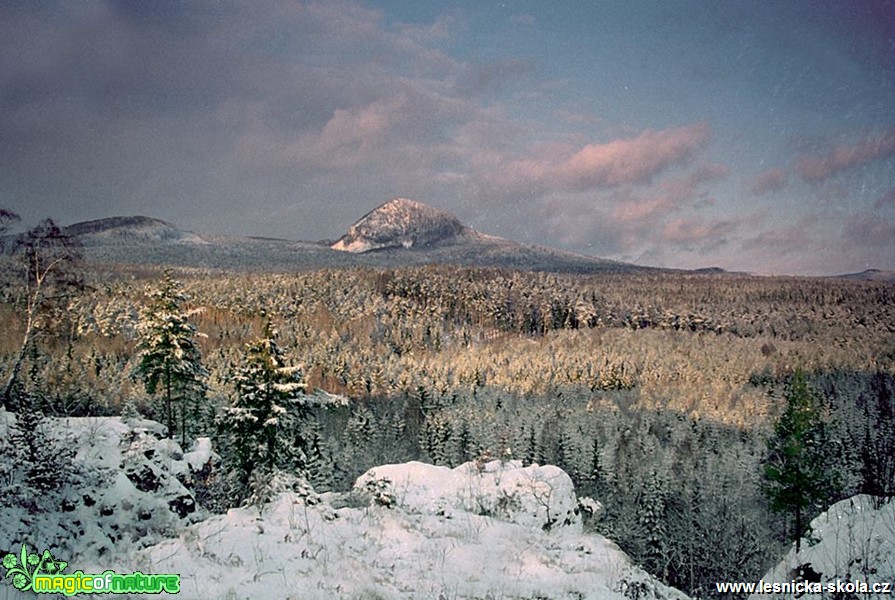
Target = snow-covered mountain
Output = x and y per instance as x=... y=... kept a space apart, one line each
x=482 y=530
x=400 y=223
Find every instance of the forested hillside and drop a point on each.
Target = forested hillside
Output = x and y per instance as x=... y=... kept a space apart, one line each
x=657 y=393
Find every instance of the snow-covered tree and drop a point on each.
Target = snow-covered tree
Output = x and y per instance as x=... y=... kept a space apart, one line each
x=170 y=363
x=260 y=433
x=652 y=520
x=35 y=461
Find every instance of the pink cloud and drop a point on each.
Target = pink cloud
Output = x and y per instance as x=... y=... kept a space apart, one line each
x=637 y=210
x=772 y=180
x=635 y=160
x=844 y=156
x=554 y=167
x=674 y=194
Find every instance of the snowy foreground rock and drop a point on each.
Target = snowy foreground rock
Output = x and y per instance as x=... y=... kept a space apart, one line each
x=854 y=541
x=535 y=496
x=409 y=531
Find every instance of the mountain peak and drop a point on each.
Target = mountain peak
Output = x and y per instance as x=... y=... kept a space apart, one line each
x=399 y=223
x=130 y=230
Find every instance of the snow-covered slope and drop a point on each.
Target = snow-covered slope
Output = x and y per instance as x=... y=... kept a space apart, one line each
x=854 y=541
x=536 y=497
x=126 y=490
x=402 y=232
x=481 y=530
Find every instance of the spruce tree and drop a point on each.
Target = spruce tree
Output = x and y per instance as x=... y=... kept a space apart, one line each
x=531 y=448
x=597 y=472
x=260 y=434
x=652 y=521
x=170 y=363
x=319 y=466
x=796 y=469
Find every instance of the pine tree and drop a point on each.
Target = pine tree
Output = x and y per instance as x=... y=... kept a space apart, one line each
x=796 y=468
x=260 y=434
x=170 y=362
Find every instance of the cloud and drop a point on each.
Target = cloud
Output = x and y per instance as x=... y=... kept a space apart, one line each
x=782 y=242
x=887 y=200
x=705 y=234
x=664 y=223
x=635 y=160
x=562 y=167
x=188 y=110
x=772 y=180
x=679 y=193
x=822 y=243
x=846 y=156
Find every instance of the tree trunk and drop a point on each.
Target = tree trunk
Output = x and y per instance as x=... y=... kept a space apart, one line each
x=17 y=366
x=168 y=408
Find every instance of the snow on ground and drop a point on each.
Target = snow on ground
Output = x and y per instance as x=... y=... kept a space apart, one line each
x=483 y=530
x=408 y=531
x=853 y=540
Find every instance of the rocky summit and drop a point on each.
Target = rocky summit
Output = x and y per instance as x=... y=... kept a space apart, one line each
x=399 y=223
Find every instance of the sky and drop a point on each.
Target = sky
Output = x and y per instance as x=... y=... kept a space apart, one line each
x=754 y=136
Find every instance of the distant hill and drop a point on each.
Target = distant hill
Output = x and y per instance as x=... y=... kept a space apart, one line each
x=399 y=233
x=130 y=231
x=870 y=275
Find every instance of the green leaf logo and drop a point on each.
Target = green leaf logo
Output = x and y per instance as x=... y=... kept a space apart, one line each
x=24 y=568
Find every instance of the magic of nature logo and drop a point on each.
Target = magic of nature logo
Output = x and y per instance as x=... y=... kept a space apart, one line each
x=43 y=574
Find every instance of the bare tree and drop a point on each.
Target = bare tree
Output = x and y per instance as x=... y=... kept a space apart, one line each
x=42 y=275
